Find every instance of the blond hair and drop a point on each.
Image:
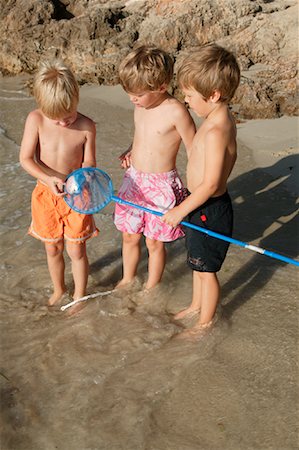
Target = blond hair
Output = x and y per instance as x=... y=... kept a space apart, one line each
x=55 y=89
x=210 y=68
x=146 y=68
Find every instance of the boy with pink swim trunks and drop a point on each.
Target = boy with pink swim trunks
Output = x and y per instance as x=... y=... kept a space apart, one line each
x=151 y=180
x=57 y=140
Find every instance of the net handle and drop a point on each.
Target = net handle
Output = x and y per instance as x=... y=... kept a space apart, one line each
x=253 y=248
x=214 y=234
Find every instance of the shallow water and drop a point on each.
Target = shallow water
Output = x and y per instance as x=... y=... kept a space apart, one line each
x=117 y=376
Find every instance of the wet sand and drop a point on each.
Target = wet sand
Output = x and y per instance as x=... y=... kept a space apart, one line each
x=117 y=376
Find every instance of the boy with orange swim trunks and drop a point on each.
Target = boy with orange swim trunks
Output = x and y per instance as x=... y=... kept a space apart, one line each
x=161 y=123
x=58 y=139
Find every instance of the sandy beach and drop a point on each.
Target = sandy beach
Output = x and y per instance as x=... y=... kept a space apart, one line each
x=117 y=376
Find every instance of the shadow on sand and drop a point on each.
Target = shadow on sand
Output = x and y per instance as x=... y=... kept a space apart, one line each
x=266 y=213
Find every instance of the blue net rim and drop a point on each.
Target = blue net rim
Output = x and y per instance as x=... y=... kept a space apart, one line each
x=96 y=209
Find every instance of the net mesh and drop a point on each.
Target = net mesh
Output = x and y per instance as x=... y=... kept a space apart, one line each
x=88 y=190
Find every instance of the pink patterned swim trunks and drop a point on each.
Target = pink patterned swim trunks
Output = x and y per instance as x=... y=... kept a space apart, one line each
x=157 y=191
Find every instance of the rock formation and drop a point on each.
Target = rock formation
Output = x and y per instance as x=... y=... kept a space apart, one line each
x=94 y=35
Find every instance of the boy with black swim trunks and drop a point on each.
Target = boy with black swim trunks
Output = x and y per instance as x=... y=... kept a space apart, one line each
x=209 y=77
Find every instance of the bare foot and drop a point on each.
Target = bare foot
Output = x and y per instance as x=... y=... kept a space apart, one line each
x=150 y=289
x=73 y=310
x=56 y=297
x=124 y=283
x=196 y=332
x=187 y=313
x=141 y=297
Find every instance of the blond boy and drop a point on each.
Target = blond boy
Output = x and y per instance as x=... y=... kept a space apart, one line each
x=161 y=124
x=58 y=139
x=208 y=77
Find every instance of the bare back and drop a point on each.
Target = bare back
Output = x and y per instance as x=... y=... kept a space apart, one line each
x=213 y=153
x=159 y=132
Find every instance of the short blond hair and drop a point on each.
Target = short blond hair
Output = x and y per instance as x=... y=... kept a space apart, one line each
x=55 y=89
x=146 y=68
x=210 y=68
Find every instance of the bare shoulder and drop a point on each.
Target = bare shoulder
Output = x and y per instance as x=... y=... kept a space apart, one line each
x=178 y=109
x=219 y=136
x=215 y=134
x=35 y=116
x=85 y=122
x=175 y=104
x=34 y=121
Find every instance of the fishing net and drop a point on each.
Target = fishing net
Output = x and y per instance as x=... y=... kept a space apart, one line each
x=88 y=190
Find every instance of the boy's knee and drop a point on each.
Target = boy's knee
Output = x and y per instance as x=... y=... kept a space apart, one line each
x=76 y=251
x=131 y=239
x=53 y=250
x=153 y=245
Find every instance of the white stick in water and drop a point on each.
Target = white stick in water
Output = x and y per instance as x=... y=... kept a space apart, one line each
x=86 y=297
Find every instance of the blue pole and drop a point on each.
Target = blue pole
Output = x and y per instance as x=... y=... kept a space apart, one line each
x=262 y=251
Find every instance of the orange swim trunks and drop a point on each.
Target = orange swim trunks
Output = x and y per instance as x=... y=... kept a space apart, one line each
x=53 y=220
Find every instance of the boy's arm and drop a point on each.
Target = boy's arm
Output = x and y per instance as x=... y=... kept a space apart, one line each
x=125 y=158
x=214 y=158
x=89 y=158
x=27 y=155
x=186 y=127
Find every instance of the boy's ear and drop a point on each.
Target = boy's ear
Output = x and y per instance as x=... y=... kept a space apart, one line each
x=163 y=88
x=215 y=97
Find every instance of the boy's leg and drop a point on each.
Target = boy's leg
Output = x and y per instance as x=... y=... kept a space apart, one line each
x=131 y=255
x=77 y=253
x=196 y=298
x=156 y=262
x=206 y=293
x=56 y=267
x=210 y=293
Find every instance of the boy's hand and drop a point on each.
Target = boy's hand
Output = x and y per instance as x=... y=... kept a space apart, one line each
x=57 y=186
x=173 y=217
x=125 y=159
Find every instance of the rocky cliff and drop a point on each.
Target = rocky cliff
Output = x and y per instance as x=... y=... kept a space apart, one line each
x=94 y=35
